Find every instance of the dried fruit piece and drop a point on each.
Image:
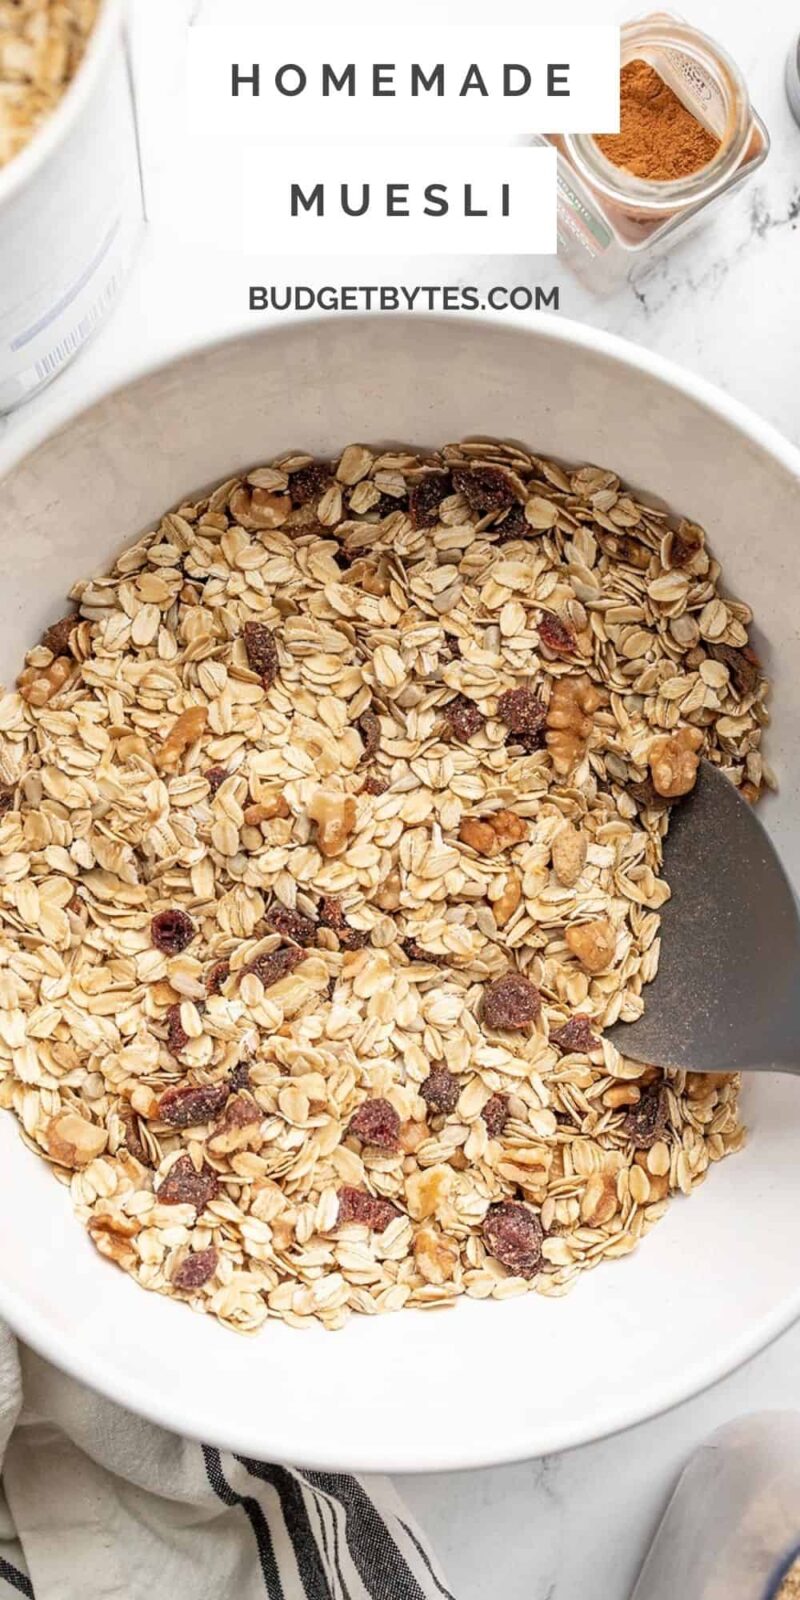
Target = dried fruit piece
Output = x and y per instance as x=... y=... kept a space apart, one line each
x=332 y=916
x=239 y=1128
x=217 y=977
x=514 y=525
x=196 y=1103
x=215 y=777
x=376 y=1122
x=291 y=924
x=240 y=1077
x=56 y=638
x=185 y=731
x=310 y=482
x=463 y=717
x=426 y=497
x=490 y=835
x=417 y=952
x=171 y=931
x=569 y=721
x=335 y=817
x=261 y=651
x=74 y=1141
x=195 y=1269
x=375 y=786
x=369 y=726
x=485 y=488
x=276 y=964
x=514 y=1236
x=674 y=761
x=440 y=1091
x=134 y=1142
x=177 y=1037
x=569 y=854
x=525 y=715
x=646 y=796
x=496 y=1114
x=593 y=943
x=575 y=1035
x=646 y=1122
x=743 y=668
x=184 y=1185
x=6 y=800
x=511 y=1003
x=356 y=1205
x=556 y=635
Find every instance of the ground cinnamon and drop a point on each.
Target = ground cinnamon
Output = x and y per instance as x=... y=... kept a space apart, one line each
x=659 y=138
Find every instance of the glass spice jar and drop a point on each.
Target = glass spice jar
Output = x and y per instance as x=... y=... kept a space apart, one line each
x=609 y=219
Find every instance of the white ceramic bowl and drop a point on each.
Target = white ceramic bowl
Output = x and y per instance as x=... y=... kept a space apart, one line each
x=720 y=1276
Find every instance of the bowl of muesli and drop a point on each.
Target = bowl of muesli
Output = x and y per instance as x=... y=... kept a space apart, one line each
x=353 y=671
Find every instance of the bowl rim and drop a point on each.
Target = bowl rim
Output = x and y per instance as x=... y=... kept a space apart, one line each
x=27 y=435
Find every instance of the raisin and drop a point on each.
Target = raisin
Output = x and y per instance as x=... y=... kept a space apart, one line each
x=426 y=498
x=240 y=1077
x=440 y=1091
x=276 y=965
x=514 y=1236
x=375 y=786
x=195 y=1269
x=576 y=1035
x=484 y=488
x=215 y=776
x=415 y=952
x=6 y=800
x=241 y=1112
x=511 y=1003
x=556 y=635
x=526 y=717
x=514 y=525
x=134 y=1143
x=685 y=544
x=463 y=717
x=646 y=1122
x=172 y=931
x=217 y=977
x=388 y=504
x=291 y=925
x=495 y=1115
x=261 y=651
x=56 y=638
x=177 y=1037
x=186 y=1107
x=376 y=1122
x=355 y=1205
x=369 y=726
x=742 y=667
x=332 y=916
x=310 y=482
x=184 y=1186
x=647 y=797
x=451 y=647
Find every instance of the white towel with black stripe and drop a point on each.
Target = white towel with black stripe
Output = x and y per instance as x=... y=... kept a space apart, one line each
x=98 y=1504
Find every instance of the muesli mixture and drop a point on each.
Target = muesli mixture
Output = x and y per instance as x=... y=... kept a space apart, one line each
x=41 y=47
x=331 y=843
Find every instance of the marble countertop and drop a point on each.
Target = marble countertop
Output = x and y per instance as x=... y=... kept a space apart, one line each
x=727 y=305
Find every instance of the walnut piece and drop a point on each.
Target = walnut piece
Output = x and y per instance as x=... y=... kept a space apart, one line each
x=507 y=902
x=38 y=686
x=185 y=730
x=490 y=835
x=569 y=721
x=335 y=817
x=593 y=943
x=436 y=1256
x=266 y=810
x=674 y=760
x=73 y=1141
x=569 y=855
x=112 y=1236
x=427 y=1189
x=258 y=508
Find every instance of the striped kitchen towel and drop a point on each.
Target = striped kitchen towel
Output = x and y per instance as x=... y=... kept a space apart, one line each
x=98 y=1504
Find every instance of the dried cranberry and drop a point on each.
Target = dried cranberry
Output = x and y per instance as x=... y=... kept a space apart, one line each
x=262 y=651
x=184 y=1186
x=291 y=924
x=376 y=1122
x=240 y=1077
x=495 y=1115
x=56 y=638
x=484 y=488
x=375 y=786
x=463 y=717
x=514 y=1236
x=241 y=1112
x=310 y=482
x=646 y=1122
x=195 y=1269
x=426 y=498
x=215 y=776
x=440 y=1091
x=511 y=1003
x=217 y=977
x=742 y=667
x=451 y=647
x=332 y=916
x=355 y=1205
x=177 y=1037
x=276 y=965
x=172 y=931
x=369 y=726
x=556 y=635
x=576 y=1035
x=186 y=1107
x=387 y=505
x=525 y=715
x=416 y=952
x=514 y=525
